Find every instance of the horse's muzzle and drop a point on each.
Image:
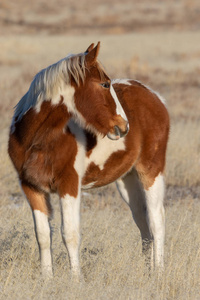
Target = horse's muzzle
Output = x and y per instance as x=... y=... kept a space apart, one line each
x=118 y=132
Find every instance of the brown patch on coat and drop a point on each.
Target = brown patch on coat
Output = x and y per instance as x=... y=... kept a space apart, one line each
x=93 y=174
x=91 y=142
x=149 y=115
x=43 y=153
x=37 y=200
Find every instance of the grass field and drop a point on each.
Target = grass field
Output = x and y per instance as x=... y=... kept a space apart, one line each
x=157 y=44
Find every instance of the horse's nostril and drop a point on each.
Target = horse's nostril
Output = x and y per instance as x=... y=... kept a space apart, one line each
x=120 y=132
x=117 y=131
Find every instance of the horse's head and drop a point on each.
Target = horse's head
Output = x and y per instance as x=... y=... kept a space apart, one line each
x=96 y=101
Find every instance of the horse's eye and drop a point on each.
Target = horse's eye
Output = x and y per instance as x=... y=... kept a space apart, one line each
x=105 y=85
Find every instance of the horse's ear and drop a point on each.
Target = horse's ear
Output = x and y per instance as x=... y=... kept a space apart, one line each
x=90 y=48
x=91 y=57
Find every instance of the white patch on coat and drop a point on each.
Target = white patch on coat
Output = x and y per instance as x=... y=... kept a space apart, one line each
x=156 y=217
x=70 y=207
x=43 y=236
x=80 y=137
x=103 y=150
x=88 y=186
x=156 y=192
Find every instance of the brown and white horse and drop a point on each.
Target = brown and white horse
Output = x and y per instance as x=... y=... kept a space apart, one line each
x=70 y=132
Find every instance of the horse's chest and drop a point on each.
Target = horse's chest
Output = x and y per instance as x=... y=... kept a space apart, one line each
x=104 y=163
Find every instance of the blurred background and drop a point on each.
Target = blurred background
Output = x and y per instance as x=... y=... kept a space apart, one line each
x=95 y=17
x=156 y=42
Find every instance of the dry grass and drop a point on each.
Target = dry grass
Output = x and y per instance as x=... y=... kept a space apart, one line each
x=168 y=61
x=111 y=260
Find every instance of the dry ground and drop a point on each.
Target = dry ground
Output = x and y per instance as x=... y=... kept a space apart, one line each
x=156 y=43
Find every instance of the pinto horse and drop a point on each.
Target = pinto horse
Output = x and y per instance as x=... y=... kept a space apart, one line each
x=77 y=129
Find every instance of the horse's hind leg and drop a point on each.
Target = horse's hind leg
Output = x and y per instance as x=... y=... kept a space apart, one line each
x=41 y=209
x=133 y=193
x=156 y=217
x=148 y=212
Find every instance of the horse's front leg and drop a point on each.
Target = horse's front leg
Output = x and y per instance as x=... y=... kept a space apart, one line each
x=39 y=202
x=70 y=208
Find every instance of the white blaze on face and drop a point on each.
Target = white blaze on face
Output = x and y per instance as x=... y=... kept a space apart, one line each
x=119 y=109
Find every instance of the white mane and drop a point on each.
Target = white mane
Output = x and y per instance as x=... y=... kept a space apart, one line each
x=48 y=82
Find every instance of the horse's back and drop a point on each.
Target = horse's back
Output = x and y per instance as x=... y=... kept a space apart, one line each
x=143 y=105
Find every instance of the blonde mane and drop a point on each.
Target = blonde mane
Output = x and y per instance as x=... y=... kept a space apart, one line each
x=48 y=82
